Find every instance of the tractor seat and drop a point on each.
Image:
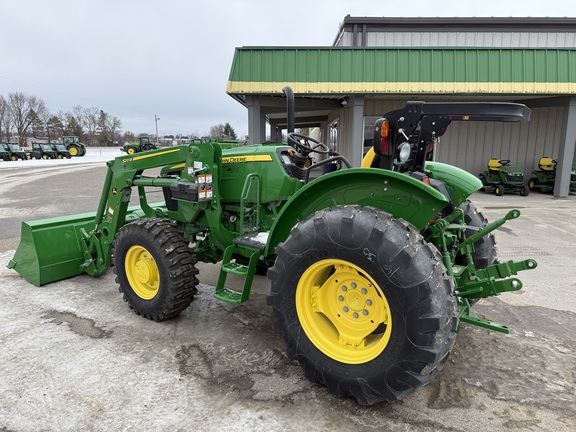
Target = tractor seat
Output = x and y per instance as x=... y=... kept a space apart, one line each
x=494 y=165
x=546 y=164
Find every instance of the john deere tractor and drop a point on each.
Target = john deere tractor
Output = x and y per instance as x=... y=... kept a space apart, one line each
x=144 y=144
x=544 y=178
x=501 y=178
x=74 y=146
x=373 y=269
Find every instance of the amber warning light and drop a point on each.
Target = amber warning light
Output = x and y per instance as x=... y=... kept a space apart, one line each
x=383 y=125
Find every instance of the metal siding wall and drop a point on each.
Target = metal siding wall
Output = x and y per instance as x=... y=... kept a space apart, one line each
x=470 y=145
x=468 y=39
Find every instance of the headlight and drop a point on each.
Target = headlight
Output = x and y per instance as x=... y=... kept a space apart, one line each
x=404 y=152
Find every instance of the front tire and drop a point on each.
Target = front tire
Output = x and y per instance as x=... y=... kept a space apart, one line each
x=499 y=190
x=363 y=303
x=155 y=268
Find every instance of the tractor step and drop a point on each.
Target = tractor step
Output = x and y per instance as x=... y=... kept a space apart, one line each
x=229 y=296
x=245 y=271
x=235 y=269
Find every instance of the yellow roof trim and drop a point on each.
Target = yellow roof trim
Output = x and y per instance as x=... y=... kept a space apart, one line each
x=403 y=87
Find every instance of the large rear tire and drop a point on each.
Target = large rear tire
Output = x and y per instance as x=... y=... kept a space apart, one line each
x=155 y=268
x=363 y=303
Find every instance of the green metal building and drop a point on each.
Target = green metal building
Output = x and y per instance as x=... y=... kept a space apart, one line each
x=343 y=89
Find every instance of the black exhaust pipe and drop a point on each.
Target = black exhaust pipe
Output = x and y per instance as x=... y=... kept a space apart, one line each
x=289 y=108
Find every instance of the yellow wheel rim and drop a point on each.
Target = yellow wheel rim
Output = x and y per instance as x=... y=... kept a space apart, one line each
x=131 y=151
x=343 y=311
x=73 y=151
x=142 y=272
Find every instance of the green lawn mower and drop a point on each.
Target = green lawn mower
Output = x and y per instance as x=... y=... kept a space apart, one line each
x=544 y=178
x=501 y=178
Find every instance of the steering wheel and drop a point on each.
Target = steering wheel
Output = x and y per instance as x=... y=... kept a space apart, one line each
x=302 y=144
x=505 y=162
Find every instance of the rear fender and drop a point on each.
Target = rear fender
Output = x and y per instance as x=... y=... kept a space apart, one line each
x=461 y=184
x=401 y=196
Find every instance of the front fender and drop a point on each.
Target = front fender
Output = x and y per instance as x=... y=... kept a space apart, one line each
x=461 y=184
x=402 y=196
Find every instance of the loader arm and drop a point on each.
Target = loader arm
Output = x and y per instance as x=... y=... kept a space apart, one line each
x=84 y=242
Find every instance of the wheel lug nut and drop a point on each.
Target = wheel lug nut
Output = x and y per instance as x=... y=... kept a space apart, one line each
x=369 y=302
x=345 y=308
x=353 y=285
x=344 y=288
x=365 y=312
x=355 y=314
x=341 y=298
x=364 y=290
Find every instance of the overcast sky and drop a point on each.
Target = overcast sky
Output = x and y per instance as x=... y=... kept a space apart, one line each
x=135 y=59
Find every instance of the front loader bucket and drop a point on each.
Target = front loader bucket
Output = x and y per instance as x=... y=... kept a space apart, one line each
x=52 y=249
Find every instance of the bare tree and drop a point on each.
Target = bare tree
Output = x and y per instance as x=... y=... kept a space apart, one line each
x=70 y=124
x=222 y=131
x=108 y=128
x=89 y=119
x=4 y=124
x=23 y=111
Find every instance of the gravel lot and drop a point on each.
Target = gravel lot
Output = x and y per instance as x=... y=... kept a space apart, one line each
x=73 y=356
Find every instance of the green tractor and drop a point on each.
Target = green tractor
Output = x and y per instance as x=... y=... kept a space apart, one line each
x=373 y=269
x=501 y=178
x=544 y=178
x=144 y=144
x=74 y=146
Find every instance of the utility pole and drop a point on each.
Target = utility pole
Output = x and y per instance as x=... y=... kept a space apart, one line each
x=156 y=118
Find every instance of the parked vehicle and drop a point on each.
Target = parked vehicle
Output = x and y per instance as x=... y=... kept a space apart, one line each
x=544 y=178
x=502 y=178
x=144 y=144
x=372 y=269
x=60 y=150
x=12 y=152
x=4 y=154
x=74 y=146
x=43 y=151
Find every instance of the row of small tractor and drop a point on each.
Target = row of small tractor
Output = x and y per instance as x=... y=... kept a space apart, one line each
x=69 y=146
x=13 y=152
x=501 y=177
